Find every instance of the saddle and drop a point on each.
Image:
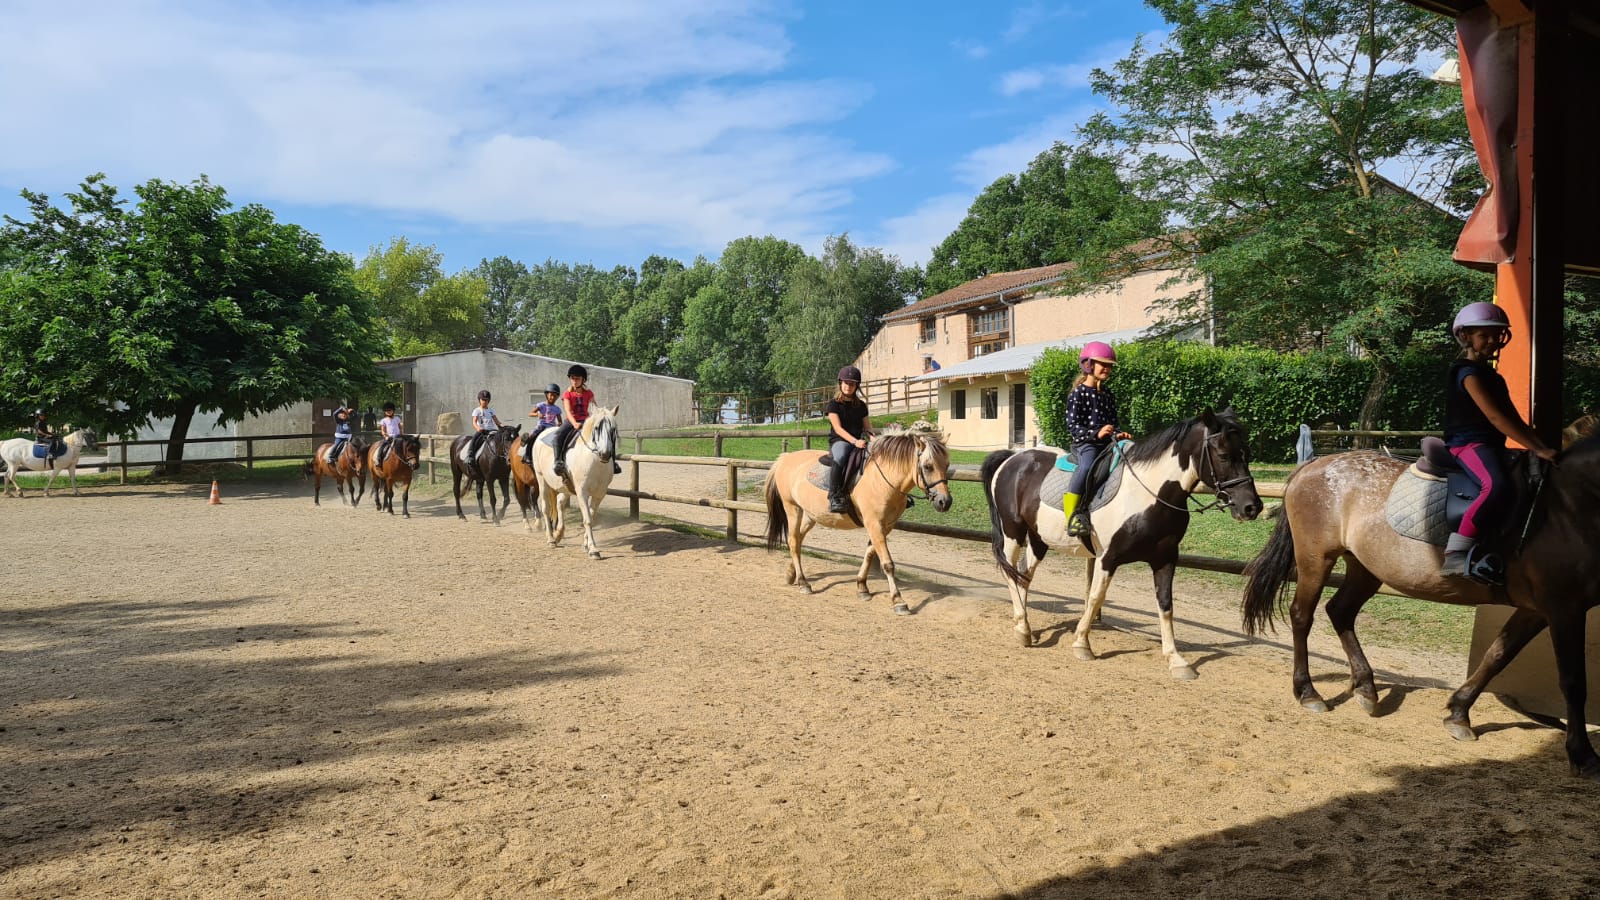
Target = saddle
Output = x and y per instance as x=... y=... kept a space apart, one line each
x=855 y=462
x=1429 y=499
x=1100 y=487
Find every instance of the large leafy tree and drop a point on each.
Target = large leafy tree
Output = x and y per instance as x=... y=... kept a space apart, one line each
x=649 y=328
x=1069 y=201
x=1260 y=128
x=500 y=277
x=422 y=309
x=727 y=325
x=568 y=311
x=177 y=306
x=831 y=308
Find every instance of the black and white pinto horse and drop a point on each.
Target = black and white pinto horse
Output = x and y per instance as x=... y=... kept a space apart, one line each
x=1143 y=520
x=17 y=454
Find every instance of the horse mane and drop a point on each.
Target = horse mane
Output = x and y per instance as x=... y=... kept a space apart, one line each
x=1158 y=444
x=901 y=448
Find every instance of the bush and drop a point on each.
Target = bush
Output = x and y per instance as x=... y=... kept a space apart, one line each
x=1158 y=383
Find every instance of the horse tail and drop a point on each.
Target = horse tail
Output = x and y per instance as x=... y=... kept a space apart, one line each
x=1267 y=575
x=777 y=516
x=991 y=465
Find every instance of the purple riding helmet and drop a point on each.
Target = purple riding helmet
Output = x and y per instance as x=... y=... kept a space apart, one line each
x=1480 y=315
x=1096 y=351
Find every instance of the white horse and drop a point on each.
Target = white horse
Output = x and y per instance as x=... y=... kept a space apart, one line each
x=589 y=476
x=18 y=454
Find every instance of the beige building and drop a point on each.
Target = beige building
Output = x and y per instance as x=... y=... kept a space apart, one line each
x=978 y=341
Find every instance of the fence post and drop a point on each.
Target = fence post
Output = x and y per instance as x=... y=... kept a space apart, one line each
x=633 y=485
x=716 y=445
x=808 y=440
x=733 y=494
x=249 y=454
x=123 y=479
x=433 y=450
x=785 y=445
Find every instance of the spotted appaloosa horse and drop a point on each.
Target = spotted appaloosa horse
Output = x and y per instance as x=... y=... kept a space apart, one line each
x=1334 y=508
x=1142 y=522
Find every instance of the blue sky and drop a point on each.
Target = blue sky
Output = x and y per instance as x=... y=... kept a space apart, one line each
x=601 y=131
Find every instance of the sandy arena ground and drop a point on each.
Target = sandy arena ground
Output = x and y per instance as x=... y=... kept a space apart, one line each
x=267 y=699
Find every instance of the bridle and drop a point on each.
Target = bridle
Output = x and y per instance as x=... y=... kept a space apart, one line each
x=927 y=486
x=595 y=447
x=1208 y=475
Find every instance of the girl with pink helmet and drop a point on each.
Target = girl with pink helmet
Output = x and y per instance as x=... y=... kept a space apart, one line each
x=1092 y=419
x=1478 y=416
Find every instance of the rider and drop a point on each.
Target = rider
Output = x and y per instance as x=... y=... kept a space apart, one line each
x=44 y=434
x=391 y=427
x=549 y=416
x=1092 y=419
x=575 y=405
x=483 y=421
x=342 y=430
x=847 y=414
x=1478 y=417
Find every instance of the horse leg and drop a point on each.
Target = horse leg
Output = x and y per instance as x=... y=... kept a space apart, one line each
x=72 y=477
x=1081 y=648
x=1176 y=664
x=588 y=505
x=1018 y=588
x=405 y=501
x=455 y=475
x=1514 y=635
x=483 y=515
x=862 y=591
x=505 y=499
x=800 y=525
x=1359 y=586
x=1567 y=634
x=316 y=486
x=880 y=544
x=1311 y=574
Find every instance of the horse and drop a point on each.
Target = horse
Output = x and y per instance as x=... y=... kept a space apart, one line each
x=405 y=454
x=1143 y=520
x=18 y=454
x=492 y=467
x=895 y=467
x=351 y=466
x=588 y=475
x=1581 y=427
x=524 y=480
x=1334 y=508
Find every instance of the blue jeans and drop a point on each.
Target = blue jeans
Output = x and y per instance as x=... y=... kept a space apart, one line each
x=1087 y=453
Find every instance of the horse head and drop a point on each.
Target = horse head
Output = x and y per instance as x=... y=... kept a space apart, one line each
x=409 y=450
x=910 y=460
x=85 y=437
x=933 y=469
x=600 y=433
x=1225 y=463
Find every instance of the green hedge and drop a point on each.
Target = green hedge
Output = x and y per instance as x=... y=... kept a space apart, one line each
x=1158 y=383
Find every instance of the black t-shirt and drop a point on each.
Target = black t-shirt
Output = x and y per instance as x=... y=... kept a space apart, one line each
x=852 y=418
x=1464 y=422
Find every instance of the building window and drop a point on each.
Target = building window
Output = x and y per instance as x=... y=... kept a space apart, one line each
x=990 y=322
x=990 y=397
x=928 y=330
x=958 y=404
x=987 y=348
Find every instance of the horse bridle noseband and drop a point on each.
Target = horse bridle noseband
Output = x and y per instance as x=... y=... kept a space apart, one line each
x=927 y=488
x=1208 y=475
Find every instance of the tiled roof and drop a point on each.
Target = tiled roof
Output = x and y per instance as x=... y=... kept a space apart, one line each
x=1021 y=359
x=987 y=286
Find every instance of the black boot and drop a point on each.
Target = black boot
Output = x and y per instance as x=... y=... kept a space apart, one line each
x=561 y=465
x=837 y=501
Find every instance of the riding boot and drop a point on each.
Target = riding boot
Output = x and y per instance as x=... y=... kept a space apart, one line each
x=837 y=501
x=1457 y=555
x=561 y=464
x=1077 y=519
x=616 y=467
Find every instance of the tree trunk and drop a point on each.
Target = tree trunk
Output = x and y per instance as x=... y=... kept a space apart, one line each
x=180 y=430
x=1372 y=403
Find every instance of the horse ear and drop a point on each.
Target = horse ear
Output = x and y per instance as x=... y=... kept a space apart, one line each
x=616 y=409
x=1209 y=419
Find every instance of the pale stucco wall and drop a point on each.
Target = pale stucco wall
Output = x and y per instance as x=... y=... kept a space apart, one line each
x=975 y=432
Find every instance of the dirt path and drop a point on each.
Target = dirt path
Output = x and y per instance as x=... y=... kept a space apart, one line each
x=264 y=698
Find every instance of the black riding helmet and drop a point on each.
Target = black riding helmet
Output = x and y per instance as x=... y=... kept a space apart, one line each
x=578 y=371
x=552 y=388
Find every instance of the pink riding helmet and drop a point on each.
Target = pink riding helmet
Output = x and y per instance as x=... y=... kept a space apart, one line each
x=1096 y=351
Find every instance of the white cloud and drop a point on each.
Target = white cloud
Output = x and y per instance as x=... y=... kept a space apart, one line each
x=970 y=49
x=913 y=236
x=982 y=166
x=665 y=116
x=1069 y=76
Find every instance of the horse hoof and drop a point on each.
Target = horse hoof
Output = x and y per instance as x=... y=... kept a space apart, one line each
x=1314 y=704
x=900 y=609
x=1025 y=636
x=1083 y=653
x=594 y=554
x=804 y=588
x=1183 y=673
x=1460 y=730
x=1589 y=770
x=1369 y=703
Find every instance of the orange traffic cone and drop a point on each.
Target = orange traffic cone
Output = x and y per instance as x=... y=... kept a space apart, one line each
x=216 y=496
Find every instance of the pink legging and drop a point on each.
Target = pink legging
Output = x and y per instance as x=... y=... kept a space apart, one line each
x=1486 y=465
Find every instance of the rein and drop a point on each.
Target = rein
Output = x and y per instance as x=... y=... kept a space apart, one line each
x=1219 y=501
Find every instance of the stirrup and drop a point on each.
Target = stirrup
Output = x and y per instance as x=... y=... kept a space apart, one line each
x=1078 y=525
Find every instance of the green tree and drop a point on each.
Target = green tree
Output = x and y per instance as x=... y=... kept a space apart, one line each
x=1260 y=127
x=832 y=308
x=649 y=329
x=181 y=305
x=422 y=309
x=567 y=312
x=1068 y=201
x=727 y=325
x=500 y=277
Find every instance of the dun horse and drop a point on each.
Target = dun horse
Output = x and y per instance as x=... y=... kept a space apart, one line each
x=589 y=472
x=1143 y=520
x=1336 y=508
x=492 y=467
x=351 y=467
x=397 y=468
x=896 y=466
x=17 y=453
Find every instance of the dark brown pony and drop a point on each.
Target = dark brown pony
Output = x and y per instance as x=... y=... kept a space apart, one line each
x=1334 y=508
x=351 y=466
x=492 y=467
x=524 y=481
x=399 y=464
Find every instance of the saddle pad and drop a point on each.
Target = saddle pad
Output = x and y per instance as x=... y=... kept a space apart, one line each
x=1056 y=483
x=40 y=451
x=818 y=476
x=1416 y=507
